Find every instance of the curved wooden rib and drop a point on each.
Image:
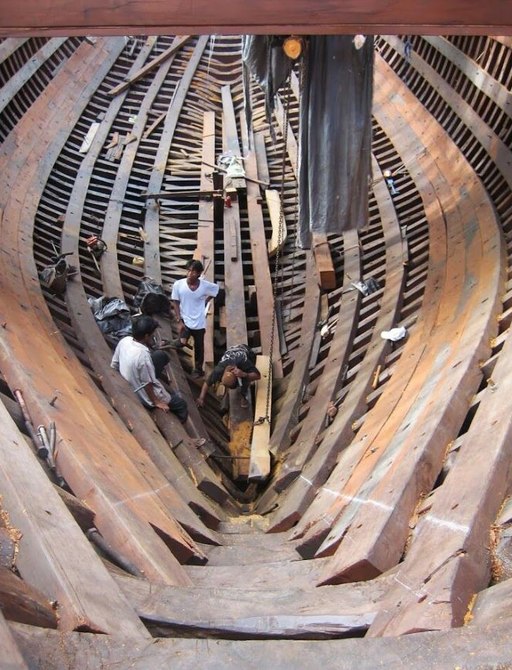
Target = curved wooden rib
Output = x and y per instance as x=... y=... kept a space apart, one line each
x=134 y=415
x=400 y=438
x=82 y=416
x=392 y=297
x=490 y=645
x=474 y=269
x=54 y=554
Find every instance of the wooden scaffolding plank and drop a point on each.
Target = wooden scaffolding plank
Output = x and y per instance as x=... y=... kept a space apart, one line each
x=259 y=464
x=240 y=419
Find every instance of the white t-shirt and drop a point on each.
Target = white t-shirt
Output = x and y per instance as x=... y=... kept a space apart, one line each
x=192 y=303
x=133 y=361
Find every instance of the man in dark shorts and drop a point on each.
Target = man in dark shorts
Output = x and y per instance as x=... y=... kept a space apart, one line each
x=236 y=369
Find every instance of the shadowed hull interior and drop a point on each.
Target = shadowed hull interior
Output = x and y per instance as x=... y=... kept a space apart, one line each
x=388 y=515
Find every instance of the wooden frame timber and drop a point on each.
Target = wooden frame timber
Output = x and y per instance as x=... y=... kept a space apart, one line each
x=60 y=17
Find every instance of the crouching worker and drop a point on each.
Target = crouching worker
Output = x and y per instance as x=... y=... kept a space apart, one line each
x=141 y=367
x=236 y=369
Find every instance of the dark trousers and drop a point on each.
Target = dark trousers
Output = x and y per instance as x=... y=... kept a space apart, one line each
x=177 y=404
x=160 y=359
x=198 y=336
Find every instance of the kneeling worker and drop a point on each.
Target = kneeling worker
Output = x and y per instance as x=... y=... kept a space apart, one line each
x=236 y=369
x=141 y=368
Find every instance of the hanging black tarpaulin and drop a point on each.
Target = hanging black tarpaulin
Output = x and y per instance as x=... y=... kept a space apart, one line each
x=263 y=57
x=335 y=135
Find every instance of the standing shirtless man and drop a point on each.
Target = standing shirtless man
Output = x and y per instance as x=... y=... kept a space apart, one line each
x=189 y=298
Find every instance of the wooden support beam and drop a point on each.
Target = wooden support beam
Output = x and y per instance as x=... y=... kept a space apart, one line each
x=176 y=46
x=256 y=165
x=324 y=264
x=275 y=612
x=43 y=17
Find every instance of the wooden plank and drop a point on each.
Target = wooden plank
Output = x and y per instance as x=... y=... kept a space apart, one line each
x=54 y=555
x=295 y=503
x=190 y=457
x=479 y=77
x=151 y=222
x=142 y=426
x=356 y=401
x=240 y=419
x=12 y=657
x=457 y=347
x=154 y=125
x=256 y=160
x=278 y=221
x=23 y=75
x=259 y=464
x=128 y=406
x=279 y=612
x=156 y=62
x=492 y=605
x=9 y=45
x=287 y=416
x=81 y=412
x=330 y=493
x=139 y=422
x=454 y=531
x=324 y=264
x=470 y=648
x=498 y=150
x=23 y=603
x=89 y=137
x=262 y=576
x=294 y=18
